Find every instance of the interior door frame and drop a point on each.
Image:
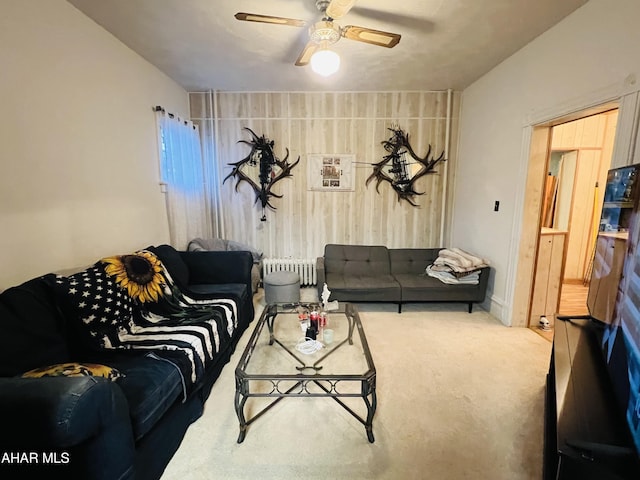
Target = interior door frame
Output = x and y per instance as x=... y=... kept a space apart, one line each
x=539 y=151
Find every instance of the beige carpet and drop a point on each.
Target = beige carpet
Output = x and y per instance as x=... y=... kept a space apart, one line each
x=460 y=396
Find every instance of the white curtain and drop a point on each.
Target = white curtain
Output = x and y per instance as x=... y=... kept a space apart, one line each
x=182 y=173
x=203 y=103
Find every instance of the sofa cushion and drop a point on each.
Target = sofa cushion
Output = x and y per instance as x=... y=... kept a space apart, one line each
x=237 y=291
x=219 y=244
x=421 y=287
x=411 y=260
x=66 y=413
x=150 y=384
x=33 y=331
x=356 y=260
x=173 y=262
x=363 y=288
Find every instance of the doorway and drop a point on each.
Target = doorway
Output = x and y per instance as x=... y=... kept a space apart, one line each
x=578 y=157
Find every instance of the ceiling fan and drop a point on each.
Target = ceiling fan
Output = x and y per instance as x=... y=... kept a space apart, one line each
x=326 y=32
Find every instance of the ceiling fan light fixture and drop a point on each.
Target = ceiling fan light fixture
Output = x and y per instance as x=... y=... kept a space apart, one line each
x=325 y=33
x=325 y=62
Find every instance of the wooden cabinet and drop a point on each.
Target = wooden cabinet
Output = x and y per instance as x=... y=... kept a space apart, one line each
x=548 y=275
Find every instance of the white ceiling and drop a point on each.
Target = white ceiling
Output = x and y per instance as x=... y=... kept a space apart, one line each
x=445 y=43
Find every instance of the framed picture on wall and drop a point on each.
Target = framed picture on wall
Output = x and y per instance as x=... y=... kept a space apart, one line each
x=331 y=172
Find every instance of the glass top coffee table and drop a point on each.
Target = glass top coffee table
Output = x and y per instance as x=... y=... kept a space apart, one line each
x=272 y=366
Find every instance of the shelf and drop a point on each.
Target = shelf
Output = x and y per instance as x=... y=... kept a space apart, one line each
x=621 y=204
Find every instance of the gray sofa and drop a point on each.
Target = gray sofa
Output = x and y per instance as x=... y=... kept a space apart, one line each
x=374 y=273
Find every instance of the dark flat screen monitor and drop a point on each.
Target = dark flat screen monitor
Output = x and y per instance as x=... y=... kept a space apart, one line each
x=614 y=292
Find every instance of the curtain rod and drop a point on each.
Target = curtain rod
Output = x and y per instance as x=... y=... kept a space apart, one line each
x=158 y=108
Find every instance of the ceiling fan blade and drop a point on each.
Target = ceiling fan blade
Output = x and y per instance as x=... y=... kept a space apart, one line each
x=305 y=55
x=407 y=21
x=368 y=35
x=253 y=17
x=339 y=8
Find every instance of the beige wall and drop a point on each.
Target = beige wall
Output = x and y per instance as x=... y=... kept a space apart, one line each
x=78 y=145
x=589 y=57
x=347 y=123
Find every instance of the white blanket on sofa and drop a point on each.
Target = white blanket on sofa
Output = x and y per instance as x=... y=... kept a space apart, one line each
x=459 y=260
x=455 y=266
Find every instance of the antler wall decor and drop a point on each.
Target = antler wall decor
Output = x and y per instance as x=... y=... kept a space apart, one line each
x=395 y=169
x=270 y=169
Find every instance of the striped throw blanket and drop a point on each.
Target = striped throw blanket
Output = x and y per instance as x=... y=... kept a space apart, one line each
x=131 y=302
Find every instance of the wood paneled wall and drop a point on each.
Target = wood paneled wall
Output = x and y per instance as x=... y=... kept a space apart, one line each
x=338 y=122
x=592 y=137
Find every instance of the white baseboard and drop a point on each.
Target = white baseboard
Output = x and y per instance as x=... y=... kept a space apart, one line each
x=497 y=308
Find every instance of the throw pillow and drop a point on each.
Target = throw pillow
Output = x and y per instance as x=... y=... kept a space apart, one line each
x=74 y=370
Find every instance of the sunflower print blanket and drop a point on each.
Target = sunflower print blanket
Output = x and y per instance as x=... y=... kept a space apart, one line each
x=131 y=302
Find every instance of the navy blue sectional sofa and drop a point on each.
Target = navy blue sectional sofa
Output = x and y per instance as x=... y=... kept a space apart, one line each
x=90 y=427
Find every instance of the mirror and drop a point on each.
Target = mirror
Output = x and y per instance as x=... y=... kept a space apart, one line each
x=558 y=192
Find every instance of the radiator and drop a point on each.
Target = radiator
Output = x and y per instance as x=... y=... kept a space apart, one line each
x=305 y=267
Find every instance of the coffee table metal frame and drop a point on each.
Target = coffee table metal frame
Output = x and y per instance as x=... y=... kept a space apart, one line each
x=308 y=373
